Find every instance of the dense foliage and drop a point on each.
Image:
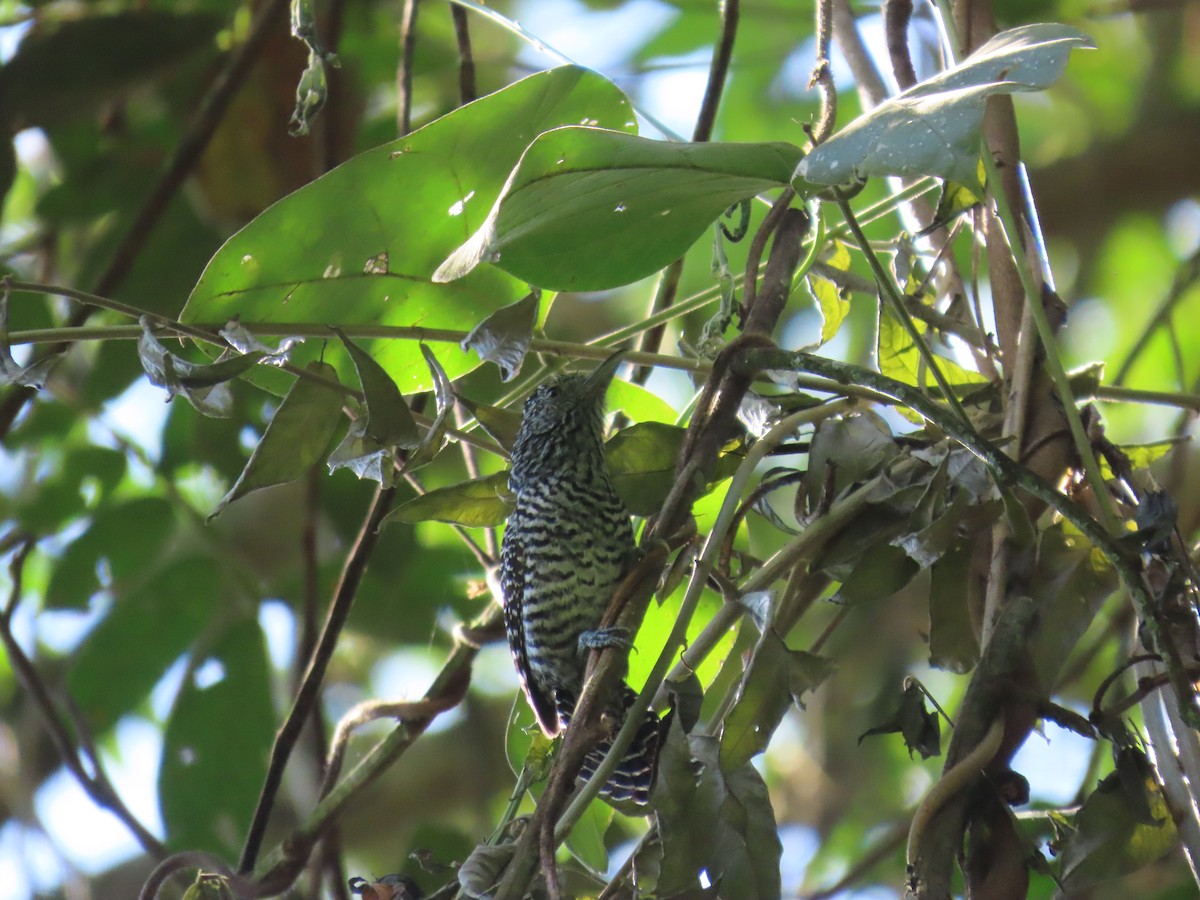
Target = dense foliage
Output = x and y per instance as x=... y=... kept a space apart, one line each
x=904 y=433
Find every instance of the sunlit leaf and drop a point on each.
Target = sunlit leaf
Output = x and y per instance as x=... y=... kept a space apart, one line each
x=933 y=127
x=900 y=358
x=832 y=301
x=387 y=218
x=479 y=503
x=589 y=208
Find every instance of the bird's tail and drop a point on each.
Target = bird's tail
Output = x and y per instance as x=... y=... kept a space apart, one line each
x=631 y=781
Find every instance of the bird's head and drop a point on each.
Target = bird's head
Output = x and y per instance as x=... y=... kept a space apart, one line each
x=563 y=419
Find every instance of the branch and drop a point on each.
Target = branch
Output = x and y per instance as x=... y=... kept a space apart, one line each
x=718 y=72
x=466 y=59
x=307 y=696
x=451 y=682
x=96 y=785
x=404 y=74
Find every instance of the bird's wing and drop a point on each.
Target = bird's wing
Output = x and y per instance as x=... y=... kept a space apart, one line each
x=512 y=582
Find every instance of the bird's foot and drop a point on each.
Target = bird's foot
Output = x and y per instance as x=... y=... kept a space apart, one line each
x=603 y=638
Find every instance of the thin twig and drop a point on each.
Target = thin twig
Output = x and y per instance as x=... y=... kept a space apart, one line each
x=308 y=694
x=896 y=16
x=822 y=75
x=1187 y=275
x=466 y=58
x=404 y=73
x=95 y=784
x=718 y=72
x=451 y=681
x=758 y=245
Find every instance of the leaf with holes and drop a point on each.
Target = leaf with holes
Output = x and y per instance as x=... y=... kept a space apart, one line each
x=358 y=246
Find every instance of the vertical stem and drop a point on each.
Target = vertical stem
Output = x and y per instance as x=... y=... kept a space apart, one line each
x=404 y=75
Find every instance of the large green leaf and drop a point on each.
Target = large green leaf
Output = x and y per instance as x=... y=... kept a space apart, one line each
x=588 y=209
x=933 y=127
x=296 y=437
x=216 y=744
x=359 y=245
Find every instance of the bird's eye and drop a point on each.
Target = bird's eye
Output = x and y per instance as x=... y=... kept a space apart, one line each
x=551 y=390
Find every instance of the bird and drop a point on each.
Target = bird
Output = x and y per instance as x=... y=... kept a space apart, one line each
x=567 y=544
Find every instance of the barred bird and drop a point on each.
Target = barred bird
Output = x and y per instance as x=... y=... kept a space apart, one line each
x=566 y=547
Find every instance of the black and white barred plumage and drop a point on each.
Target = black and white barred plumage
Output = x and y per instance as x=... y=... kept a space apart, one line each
x=566 y=547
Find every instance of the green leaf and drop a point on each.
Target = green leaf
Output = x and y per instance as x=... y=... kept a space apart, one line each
x=775 y=678
x=479 y=503
x=216 y=744
x=203 y=386
x=1070 y=585
x=807 y=672
x=358 y=246
x=586 y=840
x=146 y=630
x=832 y=301
x=933 y=127
x=710 y=821
x=296 y=437
x=434 y=439
x=33 y=375
x=761 y=702
x=882 y=571
x=369 y=448
x=1112 y=838
x=503 y=337
x=641 y=460
x=920 y=727
x=388 y=422
x=501 y=424
x=953 y=645
x=900 y=358
x=588 y=209
x=638 y=404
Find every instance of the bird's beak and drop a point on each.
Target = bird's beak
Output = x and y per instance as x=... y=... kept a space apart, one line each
x=597 y=383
